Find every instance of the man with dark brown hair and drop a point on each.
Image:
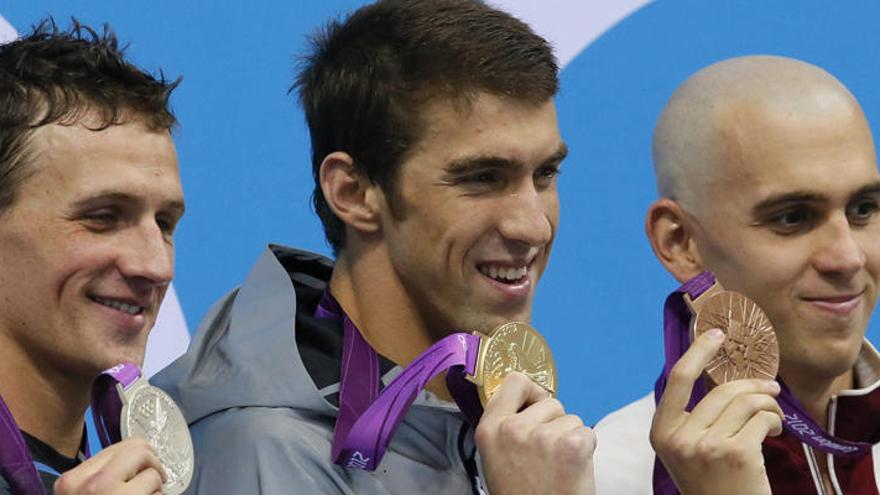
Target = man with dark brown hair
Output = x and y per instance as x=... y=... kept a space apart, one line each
x=89 y=199
x=435 y=151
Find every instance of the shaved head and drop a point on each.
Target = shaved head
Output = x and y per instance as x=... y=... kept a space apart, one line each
x=712 y=117
x=768 y=176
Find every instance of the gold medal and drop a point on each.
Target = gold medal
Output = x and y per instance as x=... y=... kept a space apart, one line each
x=514 y=346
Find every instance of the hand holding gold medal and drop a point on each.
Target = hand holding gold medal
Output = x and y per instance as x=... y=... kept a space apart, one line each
x=514 y=346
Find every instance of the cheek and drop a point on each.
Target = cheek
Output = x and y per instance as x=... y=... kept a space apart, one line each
x=552 y=212
x=750 y=264
x=871 y=248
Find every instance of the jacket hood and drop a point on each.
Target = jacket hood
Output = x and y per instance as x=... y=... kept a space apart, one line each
x=244 y=352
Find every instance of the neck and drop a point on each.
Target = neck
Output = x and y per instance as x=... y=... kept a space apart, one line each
x=815 y=393
x=377 y=303
x=48 y=403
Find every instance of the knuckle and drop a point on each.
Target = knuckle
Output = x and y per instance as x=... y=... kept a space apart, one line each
x=555 y=405
x=728 y=388
x=518 y=379
x=96 y=484
x=484 y=432
x=141 y=442
x=753 y=402
x=772 y=418
x=576 y=421
x=577 y=446
x=709 y=450
x=515 y=429
x=658 y=442
x=678 y=448
x=679 y=374
x=132 y=444
x=659 y=438
x=156 y=479
x=64 y=484
x=737 y=456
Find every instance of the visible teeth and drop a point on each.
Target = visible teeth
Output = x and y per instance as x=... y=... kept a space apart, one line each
x=118 y=305
x=504 y=274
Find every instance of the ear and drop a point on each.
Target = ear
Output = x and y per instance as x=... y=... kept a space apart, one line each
x=349 y=193
x=672 y=240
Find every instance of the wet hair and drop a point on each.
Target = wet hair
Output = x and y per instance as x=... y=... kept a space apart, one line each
x=60 y=76
x=368 y=76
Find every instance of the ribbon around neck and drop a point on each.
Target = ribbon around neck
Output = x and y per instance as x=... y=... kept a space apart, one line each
x=368 y=418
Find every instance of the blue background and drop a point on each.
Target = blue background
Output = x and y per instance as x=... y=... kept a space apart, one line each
x=245 y=161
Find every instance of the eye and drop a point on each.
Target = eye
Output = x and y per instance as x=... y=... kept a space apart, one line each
x=167 y=223
x=545 y=176
x=103 y=219
x=861 y=212
x=485 y=177
x=792 y=221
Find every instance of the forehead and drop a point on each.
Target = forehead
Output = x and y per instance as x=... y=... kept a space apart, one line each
x=486 y=125
x=130 y=157
x=760 y=151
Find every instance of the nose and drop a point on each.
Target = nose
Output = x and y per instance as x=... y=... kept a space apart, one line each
x=839 y=251
x=529 y=216
x=148 y=256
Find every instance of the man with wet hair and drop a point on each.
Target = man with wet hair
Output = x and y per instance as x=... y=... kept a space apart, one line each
x=435 y=150
x=89 y=199
x=768 y=179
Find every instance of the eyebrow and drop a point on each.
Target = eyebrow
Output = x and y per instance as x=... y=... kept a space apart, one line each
x=175 y=206
x=807 y=196
x=469 y=164
x=869 y=189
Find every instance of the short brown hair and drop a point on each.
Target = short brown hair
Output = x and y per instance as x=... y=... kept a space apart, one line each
x=56 y=76
x=367 y=77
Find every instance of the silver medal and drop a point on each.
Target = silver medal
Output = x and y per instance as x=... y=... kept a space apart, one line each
x=150 y=413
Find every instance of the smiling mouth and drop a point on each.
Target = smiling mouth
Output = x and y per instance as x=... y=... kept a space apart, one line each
x=118 y=305
x=503 y=274
x=840 y=305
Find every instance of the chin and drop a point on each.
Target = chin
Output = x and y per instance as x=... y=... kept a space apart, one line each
x=836 y=362
x=124 y=355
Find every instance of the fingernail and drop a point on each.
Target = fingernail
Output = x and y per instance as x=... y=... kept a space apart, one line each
x=773 y=386
x=715 y=334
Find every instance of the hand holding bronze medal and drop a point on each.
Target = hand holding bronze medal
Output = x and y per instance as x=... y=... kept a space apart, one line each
x=126 y=405
x=750 y=349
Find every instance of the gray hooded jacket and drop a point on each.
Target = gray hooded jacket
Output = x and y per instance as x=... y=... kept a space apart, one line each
x=259 y=388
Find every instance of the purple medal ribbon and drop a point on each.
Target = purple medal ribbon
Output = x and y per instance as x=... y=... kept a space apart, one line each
x=106 y=404
x=17 y=465
x=676 y=339
x=368 y=419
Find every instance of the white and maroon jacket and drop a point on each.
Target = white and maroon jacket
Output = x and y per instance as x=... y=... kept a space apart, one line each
x=624 y=459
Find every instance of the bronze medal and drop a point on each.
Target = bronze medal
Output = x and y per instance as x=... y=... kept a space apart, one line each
x=514 y=346
x=750 y=349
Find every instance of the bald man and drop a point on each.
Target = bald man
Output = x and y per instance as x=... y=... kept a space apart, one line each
x=768 y=178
